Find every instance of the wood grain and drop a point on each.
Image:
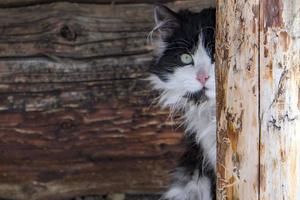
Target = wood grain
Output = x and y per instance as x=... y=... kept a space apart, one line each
x=237 y=97
x=258 y=141
x=76 y=116
x=280 y=97
x=22 y=3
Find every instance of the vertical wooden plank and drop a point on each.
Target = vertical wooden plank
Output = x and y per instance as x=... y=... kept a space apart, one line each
x=237 y=88
x=280 y=99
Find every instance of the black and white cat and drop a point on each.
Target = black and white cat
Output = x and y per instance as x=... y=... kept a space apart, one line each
x=184 y=73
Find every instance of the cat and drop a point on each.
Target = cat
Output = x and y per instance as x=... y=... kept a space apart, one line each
x=184 y=74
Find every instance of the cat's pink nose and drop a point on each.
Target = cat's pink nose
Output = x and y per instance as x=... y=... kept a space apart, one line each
x=202 y=78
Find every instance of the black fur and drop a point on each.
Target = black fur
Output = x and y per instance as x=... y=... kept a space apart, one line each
x=181 y=35
x=183 y=38
x=197 y=97
x=193 y=159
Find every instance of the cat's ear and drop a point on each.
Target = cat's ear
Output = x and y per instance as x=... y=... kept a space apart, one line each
x=166 y=21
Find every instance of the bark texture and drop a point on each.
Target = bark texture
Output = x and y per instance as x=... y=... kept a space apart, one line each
x=237 y=95
x=280 y=99
x=76 y=116
x=258 y=78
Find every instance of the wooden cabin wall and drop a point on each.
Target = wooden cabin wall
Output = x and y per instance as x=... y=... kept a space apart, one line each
x=76 y=117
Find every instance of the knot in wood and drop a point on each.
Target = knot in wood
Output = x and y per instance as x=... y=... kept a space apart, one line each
x=67 y=33
x=67 y=124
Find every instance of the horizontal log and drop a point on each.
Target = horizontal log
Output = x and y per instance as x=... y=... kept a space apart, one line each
x=49 y=136
x=76 y=116
x=42 y=70
x=66 y=30
x=87 y=178
x=23 y=3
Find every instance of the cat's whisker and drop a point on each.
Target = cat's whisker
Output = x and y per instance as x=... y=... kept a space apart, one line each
x=175 y=48
x=176 y=79
x=183 y=41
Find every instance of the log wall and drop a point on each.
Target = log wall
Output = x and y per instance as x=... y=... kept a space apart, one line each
x=75 y=116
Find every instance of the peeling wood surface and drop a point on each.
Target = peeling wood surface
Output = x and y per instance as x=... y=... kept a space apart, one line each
x=75 y=116
x=237 y=96
x=258 y=76
x=280 y=96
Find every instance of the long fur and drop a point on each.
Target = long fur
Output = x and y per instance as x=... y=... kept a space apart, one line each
x=193 y=34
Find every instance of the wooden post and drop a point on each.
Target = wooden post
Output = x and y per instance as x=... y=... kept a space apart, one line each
x=280 y=99
x=237 y=80
x=258 y=77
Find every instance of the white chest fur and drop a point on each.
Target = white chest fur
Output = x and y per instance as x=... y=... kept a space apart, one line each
x=201 y=120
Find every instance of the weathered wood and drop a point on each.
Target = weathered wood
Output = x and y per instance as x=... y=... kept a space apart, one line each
x=258 y=59
x=75 y=115
x=22 y=3
x=237 y=96
x=79 y=32
x=280 y=99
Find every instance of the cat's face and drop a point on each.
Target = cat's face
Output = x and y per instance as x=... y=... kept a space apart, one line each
x=184 y=70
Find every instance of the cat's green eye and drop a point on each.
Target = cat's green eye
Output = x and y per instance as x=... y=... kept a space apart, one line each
x=186 y=58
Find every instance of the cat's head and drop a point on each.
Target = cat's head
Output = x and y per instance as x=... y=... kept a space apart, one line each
x=184 y=69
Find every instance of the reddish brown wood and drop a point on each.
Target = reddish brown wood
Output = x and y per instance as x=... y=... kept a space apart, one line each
x=75 y=115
